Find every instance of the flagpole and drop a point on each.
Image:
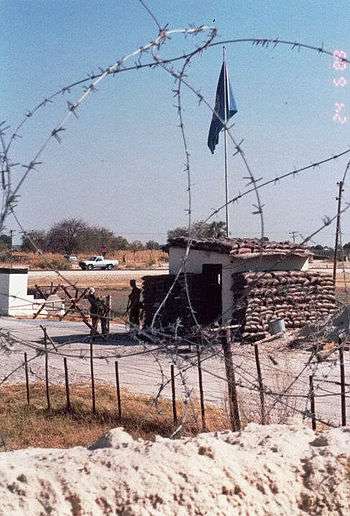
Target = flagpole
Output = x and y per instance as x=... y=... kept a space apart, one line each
x=225 y=143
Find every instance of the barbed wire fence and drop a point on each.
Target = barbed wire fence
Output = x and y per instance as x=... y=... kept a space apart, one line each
x=164 y=347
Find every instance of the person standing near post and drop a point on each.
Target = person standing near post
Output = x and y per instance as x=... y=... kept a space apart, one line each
x=134 y=304
x=103 y=250
x=98 y=311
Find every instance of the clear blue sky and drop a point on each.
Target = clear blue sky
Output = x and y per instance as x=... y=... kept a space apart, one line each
x=121 y=164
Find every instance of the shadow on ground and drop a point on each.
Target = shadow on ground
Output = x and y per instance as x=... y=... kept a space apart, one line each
x=116 y=339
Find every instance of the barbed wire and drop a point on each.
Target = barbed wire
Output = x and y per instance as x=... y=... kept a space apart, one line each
x=242 y=371
x=10 y=196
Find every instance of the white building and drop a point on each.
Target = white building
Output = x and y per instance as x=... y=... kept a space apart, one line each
x=14 y=298
x=219 y=260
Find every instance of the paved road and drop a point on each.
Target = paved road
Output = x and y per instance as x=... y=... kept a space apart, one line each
x=144 y=368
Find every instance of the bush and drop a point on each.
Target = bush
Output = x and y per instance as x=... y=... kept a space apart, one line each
x=151 y=261
x=55 y=263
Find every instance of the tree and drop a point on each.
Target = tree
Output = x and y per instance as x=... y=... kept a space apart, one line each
x=178 y=232
x=5 y=242
x=98 y=237
x=72 y=236
x=68 y=236
x=152 y=244
x=119 y=243
x=346 y=249
x=201 y=230
x=136 y=245
x=34 y=240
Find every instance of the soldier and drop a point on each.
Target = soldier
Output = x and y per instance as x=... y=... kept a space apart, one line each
x=134 y=304
x=98 y=311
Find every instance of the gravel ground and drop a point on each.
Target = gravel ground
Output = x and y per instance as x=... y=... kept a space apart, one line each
x=144 y=368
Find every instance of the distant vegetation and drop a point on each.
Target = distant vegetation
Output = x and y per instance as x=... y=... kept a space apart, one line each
x=200 y=230
x=73 y=236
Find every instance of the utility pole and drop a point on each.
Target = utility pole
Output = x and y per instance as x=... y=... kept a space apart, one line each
x=293 y=235
x=339 y=198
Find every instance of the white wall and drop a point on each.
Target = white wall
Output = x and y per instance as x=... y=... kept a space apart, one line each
x=4 y=294
x=270 y=263
x=231 y=265
x=14 y=299
x=19 y=301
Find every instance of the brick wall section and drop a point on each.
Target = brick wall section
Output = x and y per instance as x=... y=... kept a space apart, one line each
x=297 y=297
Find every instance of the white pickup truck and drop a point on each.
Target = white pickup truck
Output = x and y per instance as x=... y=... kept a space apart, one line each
x=98 y=262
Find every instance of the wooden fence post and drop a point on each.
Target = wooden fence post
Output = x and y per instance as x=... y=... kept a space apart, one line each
x=173 y=393
x=312 y=402
x=68 y=405
x=231 y=382
x=342 y=383
x=109 y=306
x=27 y=377
x=92 y=377
x=46 y=371
x=261 y=385
x=117 y=384
x=201 y=392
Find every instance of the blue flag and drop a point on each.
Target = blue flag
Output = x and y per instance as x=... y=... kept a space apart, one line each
x=220 y=104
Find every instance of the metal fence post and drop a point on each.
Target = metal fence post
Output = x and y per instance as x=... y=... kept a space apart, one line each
x=173 y=393
x=312 y=402
x=342 y=383
x=117 y=384
x=261 y=385
x=27 y=377
x=66 y=383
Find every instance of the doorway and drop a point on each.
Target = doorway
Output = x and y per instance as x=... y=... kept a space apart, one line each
x=211 y=293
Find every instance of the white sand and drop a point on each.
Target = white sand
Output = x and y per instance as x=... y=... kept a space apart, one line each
x=278 y=470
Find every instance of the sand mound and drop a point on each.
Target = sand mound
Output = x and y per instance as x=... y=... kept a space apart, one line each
x=263 y=470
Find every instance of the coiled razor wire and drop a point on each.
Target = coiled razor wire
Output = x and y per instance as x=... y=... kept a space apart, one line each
x=10 y=193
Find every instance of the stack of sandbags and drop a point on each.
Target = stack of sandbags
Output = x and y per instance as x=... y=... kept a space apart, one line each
x=295 y=296
x=241 y=246
x=154 y=291
x=255 y=246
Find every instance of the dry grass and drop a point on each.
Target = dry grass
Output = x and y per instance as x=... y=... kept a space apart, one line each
x=33 y=426
x=139 y=259
x=86 y=279
x=48 y=261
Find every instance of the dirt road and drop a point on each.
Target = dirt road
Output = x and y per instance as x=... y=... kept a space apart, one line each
x=108 y=279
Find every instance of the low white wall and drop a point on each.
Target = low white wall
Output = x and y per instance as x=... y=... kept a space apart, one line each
x=4 y=294
x=14 y=299
x=270 y=263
